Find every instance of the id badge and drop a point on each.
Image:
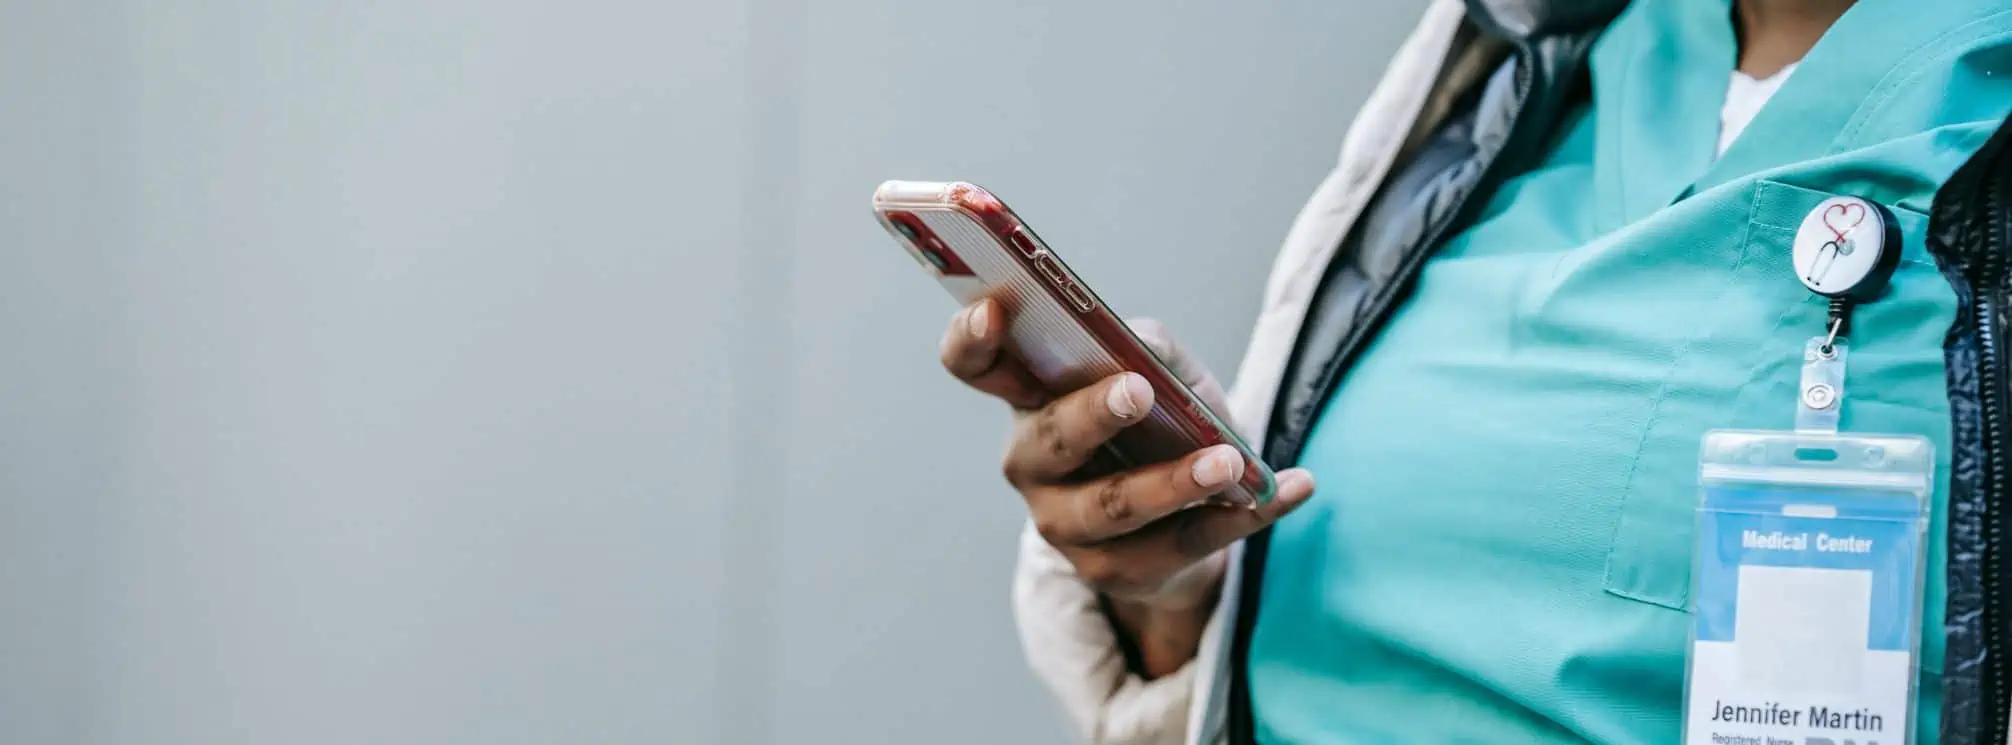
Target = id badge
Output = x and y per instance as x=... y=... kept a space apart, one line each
x=1807 y=582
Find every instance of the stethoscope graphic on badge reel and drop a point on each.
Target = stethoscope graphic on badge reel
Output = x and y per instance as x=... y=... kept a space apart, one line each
x=1846 y=250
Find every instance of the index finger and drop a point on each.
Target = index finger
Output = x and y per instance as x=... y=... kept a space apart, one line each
x=974 y=350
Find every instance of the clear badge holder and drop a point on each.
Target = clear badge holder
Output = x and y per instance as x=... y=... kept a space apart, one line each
x=1807 y=582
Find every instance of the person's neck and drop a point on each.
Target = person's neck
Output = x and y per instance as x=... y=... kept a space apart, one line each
x=1774 y=34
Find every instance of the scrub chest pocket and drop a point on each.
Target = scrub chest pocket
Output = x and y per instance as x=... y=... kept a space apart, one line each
x=1740 y=368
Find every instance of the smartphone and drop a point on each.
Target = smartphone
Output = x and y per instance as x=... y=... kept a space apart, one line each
x=1065 y=334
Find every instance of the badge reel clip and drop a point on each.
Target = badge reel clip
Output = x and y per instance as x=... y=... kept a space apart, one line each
x=1807 y=573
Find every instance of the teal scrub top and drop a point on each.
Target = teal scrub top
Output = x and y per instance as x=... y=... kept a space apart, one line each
x=1500 y=548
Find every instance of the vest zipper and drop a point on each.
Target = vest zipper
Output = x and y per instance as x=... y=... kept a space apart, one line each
x=1987 y=292
x=1972 y=251
x=1968 y=236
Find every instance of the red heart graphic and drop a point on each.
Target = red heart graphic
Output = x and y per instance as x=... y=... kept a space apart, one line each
x=1842 y=211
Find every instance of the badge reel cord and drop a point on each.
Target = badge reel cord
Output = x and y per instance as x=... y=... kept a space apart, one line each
x=1841 y=258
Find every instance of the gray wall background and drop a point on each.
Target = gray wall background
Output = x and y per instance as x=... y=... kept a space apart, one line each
x=516 y=371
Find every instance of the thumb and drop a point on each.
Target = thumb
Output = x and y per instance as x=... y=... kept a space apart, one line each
x=1184 y=366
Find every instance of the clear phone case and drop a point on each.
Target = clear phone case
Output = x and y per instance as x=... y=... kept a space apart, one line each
x=1068 y=338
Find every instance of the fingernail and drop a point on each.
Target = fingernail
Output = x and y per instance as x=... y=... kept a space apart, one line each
x=1294 y=485
x=976 y=320
x=1128 y=397
x=1217 y=468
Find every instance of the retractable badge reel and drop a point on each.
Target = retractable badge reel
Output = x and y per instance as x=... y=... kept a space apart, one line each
x=1807 y=582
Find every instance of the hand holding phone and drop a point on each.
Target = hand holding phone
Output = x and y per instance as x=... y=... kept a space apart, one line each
x=1061 y=332
x=1125 y=467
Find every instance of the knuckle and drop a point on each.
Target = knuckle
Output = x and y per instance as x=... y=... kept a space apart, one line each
x=1113 y=501
x=1049 y=527
x=1021 y=445
x=1049 y=432
x=1013 y=471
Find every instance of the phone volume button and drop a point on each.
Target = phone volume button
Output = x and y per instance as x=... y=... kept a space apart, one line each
x=1051 y=270
x=1078 y=297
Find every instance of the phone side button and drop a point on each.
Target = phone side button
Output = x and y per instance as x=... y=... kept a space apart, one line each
x=1078 y=297
x=1053 y=270
x=1023 y=243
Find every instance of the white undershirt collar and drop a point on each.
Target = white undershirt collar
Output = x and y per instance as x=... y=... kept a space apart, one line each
x=1744 y=98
